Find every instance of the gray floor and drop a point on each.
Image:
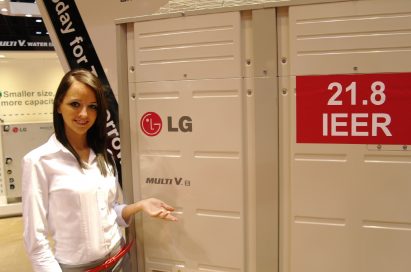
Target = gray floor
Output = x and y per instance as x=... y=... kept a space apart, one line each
x=12 y=255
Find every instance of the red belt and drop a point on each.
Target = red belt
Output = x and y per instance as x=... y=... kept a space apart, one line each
x=110 y=262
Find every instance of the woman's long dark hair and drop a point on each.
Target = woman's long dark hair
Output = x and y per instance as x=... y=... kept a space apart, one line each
x=96 y=135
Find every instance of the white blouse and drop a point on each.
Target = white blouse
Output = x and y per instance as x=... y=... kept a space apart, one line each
x=77 y=207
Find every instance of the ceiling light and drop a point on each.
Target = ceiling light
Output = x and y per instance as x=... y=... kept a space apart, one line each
x=4 y=10
x=38 y=32
x=2 y=56
x=29 y=15
x=39 y=20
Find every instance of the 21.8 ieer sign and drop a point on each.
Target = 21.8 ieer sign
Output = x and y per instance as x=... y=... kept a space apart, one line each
x=354 y=109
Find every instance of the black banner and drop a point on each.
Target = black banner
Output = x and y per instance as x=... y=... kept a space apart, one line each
x=80 y=53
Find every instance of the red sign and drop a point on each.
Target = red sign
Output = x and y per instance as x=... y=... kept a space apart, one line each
x=151 y=123
x=354 y=109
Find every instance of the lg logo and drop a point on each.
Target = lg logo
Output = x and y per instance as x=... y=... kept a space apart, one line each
x=151 y=124
x=17 y=130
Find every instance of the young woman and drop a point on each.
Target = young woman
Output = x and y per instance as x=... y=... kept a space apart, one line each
x=70 y=191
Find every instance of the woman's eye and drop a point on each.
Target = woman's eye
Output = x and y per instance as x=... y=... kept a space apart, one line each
x=75 y=104
x=93 y=107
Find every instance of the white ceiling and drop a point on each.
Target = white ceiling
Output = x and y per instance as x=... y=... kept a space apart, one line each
x=22 y=8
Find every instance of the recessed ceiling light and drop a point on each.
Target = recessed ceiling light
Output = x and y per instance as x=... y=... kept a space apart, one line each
x=29 y=15
x=38 y=32
x=39 y=20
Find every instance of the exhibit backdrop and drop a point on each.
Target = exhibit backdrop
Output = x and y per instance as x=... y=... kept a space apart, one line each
x=28 y=82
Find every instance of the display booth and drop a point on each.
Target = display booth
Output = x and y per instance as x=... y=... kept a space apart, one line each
x=28 y=81
x=274 y=128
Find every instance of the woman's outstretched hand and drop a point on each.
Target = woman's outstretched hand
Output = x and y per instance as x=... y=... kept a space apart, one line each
x=152 y=206
x=157 y=208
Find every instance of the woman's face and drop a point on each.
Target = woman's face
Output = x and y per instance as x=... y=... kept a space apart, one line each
x=78 y=109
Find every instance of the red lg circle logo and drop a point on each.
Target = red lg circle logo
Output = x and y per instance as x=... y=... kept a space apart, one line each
x=151 y=124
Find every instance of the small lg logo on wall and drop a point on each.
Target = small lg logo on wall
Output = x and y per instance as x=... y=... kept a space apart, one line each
x=151 y=124
x=17 y=130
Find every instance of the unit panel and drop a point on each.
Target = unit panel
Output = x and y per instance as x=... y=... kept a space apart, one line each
x=343 y=202
x=192 y=47
x=350 y=37
x=320 y=247
x=212 y=105
x=189 y=244
x=204 y=139
x=385 y=189
x=195 y=162
x=196 y=181
x=385 y=247
x=321 y=194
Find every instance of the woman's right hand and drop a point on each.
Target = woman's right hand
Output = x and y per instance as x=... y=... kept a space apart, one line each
x=157 y=208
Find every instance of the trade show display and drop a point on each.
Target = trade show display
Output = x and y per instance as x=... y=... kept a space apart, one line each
x=278 y=129
x=29 y=74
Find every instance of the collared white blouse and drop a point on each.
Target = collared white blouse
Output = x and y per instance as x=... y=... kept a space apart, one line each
x=77 y=207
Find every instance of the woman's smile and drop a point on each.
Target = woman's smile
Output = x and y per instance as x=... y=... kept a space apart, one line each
x=81 y=122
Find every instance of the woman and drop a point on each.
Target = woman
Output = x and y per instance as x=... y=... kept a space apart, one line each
x=70 y=188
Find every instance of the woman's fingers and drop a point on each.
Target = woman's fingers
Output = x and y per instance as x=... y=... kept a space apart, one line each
x=167 y=207
x=170 y=217
x=159 y=209
x=165 y=214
